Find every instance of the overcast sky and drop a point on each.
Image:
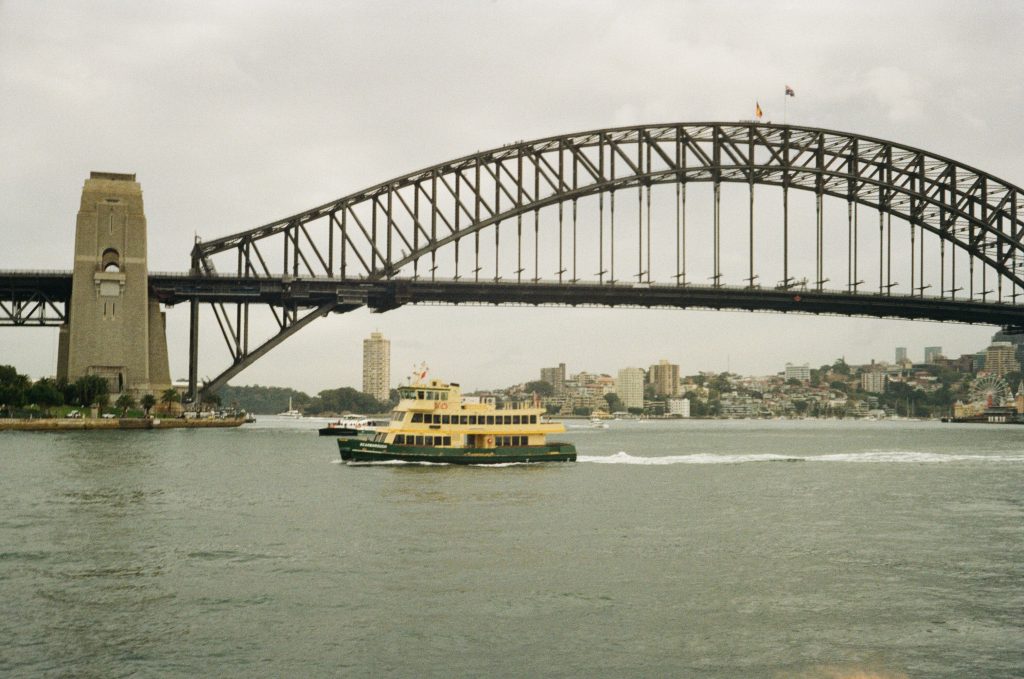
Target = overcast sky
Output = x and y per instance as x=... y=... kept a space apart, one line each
x=233 y=114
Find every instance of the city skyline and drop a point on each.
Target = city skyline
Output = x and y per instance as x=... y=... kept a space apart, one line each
x=292 y=140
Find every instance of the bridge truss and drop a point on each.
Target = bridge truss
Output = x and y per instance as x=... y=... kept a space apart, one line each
x=615 y=215
x=34 y=298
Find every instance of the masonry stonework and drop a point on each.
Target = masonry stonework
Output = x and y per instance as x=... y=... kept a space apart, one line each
x=114 y=329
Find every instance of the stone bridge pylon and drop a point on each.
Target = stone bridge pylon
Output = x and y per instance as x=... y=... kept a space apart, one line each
x=114 y=328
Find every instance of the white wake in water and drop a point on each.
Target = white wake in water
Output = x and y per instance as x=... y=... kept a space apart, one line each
x=623 y=457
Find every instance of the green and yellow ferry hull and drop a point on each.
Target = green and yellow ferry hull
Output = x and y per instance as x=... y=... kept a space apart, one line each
x=358 y=450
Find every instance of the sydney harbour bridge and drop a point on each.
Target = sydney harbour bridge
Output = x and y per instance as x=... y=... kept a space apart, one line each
x=744 y=216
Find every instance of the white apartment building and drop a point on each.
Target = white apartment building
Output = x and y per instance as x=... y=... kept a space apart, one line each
x=798 y=372
x=873 y=381
x=679 y=406
x=630 y=387
x=377 y=366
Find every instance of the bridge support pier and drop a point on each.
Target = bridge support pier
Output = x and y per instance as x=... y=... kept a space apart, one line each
x=193 y=351
x=115 y=329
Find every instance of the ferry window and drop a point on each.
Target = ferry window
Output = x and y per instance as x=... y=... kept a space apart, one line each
x=428 y=440
x=437 y=419
x=447 y=440
x=490 y=419
x=399 y=438
x=444 y=395
x=446 y=419
x=533 y=419
x=463 y=419
x=419 y=395
x=419 y=440
x=515 y=419
x=417 y=417
x=472 y=419
x=508 y=419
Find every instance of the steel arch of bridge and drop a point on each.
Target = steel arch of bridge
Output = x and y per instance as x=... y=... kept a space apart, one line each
x=426 y=210
x=397 y=229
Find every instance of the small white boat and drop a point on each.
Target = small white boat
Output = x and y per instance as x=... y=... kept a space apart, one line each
x=598 y=423
x=291 y=412
x=352 y=425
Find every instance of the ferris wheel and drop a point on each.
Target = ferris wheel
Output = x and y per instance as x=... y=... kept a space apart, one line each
x=991 y=391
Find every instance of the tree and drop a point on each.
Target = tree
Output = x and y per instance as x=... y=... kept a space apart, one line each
x=148 y=401
x=345 y=399
x=13 y=387
x=720 y=383
x=45 y=393
x=539 y=387
x=170 y=396
x=615 y=404
x=210 y=399
x=124 y=402
x=582 y=410
x=840 y=367
x=91 y=389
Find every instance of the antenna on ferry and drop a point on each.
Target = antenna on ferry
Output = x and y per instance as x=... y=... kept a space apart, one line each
x=418 y=373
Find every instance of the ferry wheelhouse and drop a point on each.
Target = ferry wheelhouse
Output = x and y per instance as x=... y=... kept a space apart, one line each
x=431 y=423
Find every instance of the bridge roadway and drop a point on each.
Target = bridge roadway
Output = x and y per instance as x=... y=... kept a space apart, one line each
x=22 y=287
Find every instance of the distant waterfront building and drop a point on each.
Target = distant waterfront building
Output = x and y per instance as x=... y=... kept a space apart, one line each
x=665 y=378
x=377 y=367
x=679 y=406
x=1000 y=358
x=798 y=372
x=555 y=377
x=901 y=355
x=931 y=353
x=630 y=387
x=979 y=361
x=873 y=381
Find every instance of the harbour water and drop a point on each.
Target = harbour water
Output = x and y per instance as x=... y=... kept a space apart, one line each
x=688 y=549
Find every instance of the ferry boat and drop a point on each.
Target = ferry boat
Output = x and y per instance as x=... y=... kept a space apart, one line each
x=431 y=423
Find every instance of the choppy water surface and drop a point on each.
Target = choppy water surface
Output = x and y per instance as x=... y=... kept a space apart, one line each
x=690 y=549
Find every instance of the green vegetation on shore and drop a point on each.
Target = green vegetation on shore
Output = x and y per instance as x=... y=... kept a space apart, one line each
x=272 y=400
x=20 y=397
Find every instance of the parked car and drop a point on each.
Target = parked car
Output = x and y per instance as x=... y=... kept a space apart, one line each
x=74 y=415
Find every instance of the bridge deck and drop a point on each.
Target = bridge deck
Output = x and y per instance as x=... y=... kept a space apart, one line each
x=382 y=295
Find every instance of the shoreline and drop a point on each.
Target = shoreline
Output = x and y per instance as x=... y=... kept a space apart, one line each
x=128 y=423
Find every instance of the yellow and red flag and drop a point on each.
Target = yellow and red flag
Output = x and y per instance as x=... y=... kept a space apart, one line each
x=757 y=110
